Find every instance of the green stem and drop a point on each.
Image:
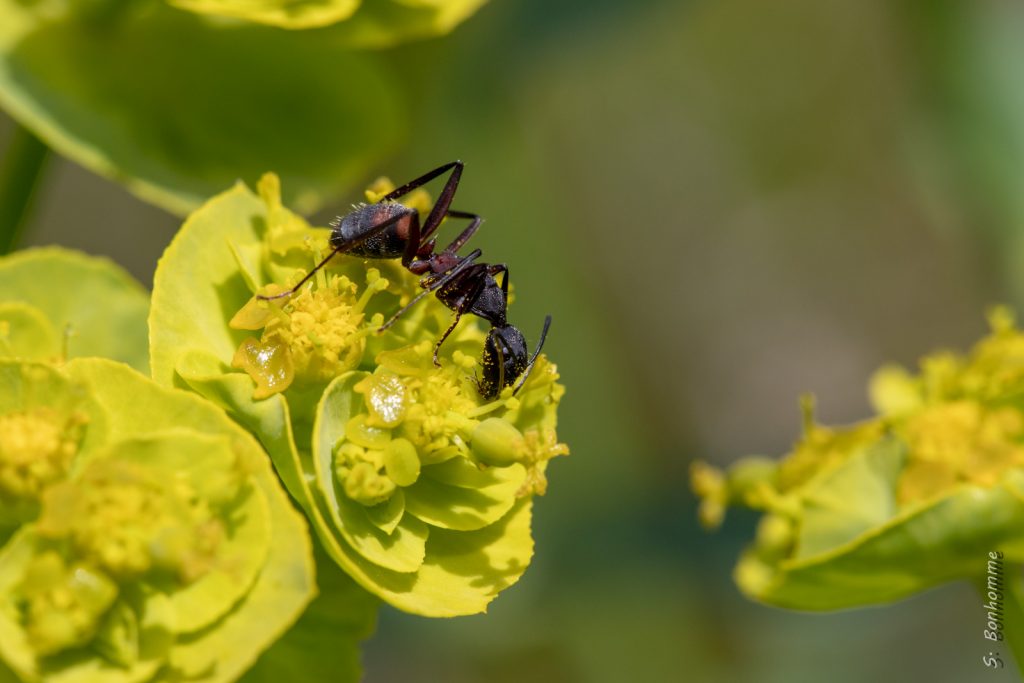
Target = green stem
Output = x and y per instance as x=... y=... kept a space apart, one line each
x=20 y=172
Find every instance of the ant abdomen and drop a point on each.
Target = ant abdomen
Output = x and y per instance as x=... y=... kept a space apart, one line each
x=358 y=226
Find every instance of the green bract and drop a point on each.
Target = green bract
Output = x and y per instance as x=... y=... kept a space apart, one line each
x=363 y=23
x=417 y=487
x=157 y=545
x=881 y=510
x=177 y=106
x=56 y=303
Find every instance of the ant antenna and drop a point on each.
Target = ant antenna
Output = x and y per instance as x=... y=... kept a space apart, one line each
x=289 y=292
x=344 y=246
x=540 y=345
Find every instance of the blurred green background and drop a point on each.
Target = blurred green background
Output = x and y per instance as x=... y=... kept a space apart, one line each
x=723 y=205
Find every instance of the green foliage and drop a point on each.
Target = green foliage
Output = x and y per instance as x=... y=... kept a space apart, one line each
x=165 y=541
x=375 y=443
x=282 y=13
x=324 y=644
x=355 y=23
x=177 y=107
x=49 y=294
x=383 y=23
x=882 y=510
x=213 y=568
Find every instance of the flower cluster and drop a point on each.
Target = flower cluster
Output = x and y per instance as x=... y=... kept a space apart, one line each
x=417 y=486
x=138 y=542
x=139 y=527
x=879 y=510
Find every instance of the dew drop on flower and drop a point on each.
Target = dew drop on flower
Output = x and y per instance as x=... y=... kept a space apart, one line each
x=386 y=396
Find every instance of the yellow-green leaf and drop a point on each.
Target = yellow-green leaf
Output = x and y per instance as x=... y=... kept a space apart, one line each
x=383 y=23
x=98 y=305
x=26 y=334
x=293 y=14
x=285 y=583
x=177 y=106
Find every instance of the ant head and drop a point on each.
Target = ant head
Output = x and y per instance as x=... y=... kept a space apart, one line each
x=505 y=358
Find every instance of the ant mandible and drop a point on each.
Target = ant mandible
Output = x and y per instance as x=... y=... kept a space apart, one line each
x=388 y=229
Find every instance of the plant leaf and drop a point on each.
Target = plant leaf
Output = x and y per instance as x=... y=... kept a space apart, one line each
x=103 y=308
x=341 y=615
x=383 y=23
x=177 y=107
x=196 y=288
x=292 y=14
x=285 y=583
x=923 y=546
x=26 y=334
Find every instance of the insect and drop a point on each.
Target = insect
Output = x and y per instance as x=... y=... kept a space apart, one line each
x=388 y=229
x=471 y=287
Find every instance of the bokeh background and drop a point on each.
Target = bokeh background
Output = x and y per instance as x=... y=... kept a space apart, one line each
x=723 y=205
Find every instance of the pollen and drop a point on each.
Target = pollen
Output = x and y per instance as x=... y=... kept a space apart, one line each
x=540 y=446
x=959 y=442
x=361 y=472
x=130 y=522
x=36 y=450
x=316 y=335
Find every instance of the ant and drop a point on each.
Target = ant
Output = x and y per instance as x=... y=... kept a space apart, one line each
x=471 y=287
x=388 y=229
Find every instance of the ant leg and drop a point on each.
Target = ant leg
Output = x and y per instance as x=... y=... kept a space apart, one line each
x=427 y=259
x=465 y=304
x=434 y=285
x=443 y=203
x=451 y=328
x=540 y=345
x=418 y=182
x=464 y=236
x=444 y=200
x=346 y=246
x=413 y=243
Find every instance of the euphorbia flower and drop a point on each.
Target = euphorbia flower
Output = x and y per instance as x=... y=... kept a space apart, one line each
x=156 y=532
x=417 y=486
x=919 y=495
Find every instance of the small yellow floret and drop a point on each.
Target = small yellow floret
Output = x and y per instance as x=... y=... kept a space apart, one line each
x=63 y=605
x=130 y=522
x=36 y=450
x=959 y=442
x=318 y=334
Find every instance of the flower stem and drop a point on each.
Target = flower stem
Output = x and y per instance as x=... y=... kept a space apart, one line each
x=20 y=171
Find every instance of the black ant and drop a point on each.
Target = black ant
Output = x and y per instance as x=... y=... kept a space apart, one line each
x=389 y=229
x=471 y=287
